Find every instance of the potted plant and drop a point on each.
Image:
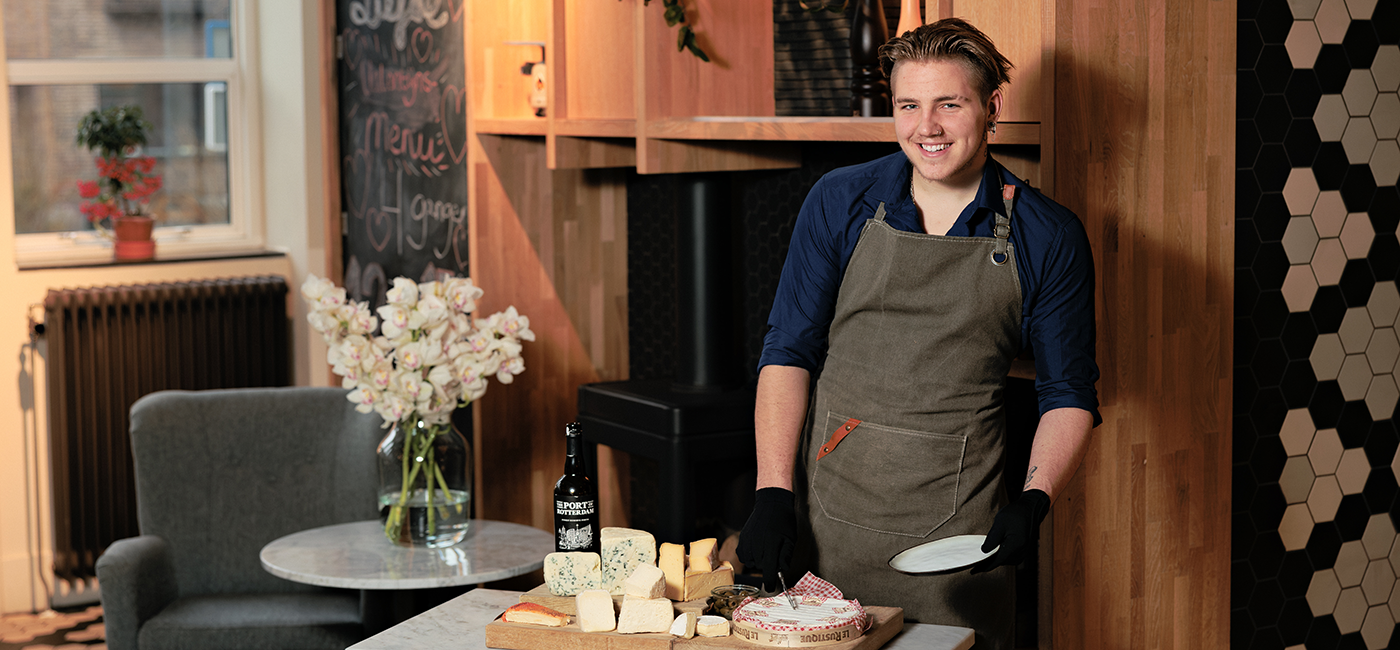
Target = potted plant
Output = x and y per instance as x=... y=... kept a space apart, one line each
x=125 y=180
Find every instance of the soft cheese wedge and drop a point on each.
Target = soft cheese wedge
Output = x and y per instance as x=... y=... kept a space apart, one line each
x=684 y=625
x=535 y=614
x=595 y=611
x=641 y=615
x=646 y=581
x=625 y=549
x=712 y=626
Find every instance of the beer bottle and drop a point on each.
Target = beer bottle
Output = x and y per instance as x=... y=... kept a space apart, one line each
x=575 y=500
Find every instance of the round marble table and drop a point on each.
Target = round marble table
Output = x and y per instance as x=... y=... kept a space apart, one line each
x=357 y=556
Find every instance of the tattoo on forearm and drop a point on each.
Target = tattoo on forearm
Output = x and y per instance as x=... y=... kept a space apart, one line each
x=1029 y=475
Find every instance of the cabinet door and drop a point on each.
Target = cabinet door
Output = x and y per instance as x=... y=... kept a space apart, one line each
x=1016 y=28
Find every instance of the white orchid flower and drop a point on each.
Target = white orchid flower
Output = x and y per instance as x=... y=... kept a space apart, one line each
x=410 y=355
x=441 y=377
x=434 y=310
x=462 y=294
x=364 y=398
x=509 y=369
x=513 y=323
x=314 y=287
x=404 y=293
x=363 y=322
x=382 y=376
x=432 y=288
x=392 y=407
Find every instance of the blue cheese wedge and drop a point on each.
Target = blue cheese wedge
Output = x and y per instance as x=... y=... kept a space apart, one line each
x=567 y=574
x=625 y=549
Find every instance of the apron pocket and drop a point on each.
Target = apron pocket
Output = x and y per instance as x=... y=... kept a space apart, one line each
x=889 y=480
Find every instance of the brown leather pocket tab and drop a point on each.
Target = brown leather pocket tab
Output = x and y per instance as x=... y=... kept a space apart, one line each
x=837 y=436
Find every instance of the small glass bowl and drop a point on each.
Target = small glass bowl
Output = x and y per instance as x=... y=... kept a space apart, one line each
x=724 y=600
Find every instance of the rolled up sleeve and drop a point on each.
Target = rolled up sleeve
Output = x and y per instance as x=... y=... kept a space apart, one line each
x=1062 y=330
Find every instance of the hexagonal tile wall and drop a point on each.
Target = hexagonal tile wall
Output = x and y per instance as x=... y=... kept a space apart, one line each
x=1341 y=273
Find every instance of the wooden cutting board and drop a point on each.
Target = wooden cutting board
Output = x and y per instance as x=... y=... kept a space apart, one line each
x=518 y=636
x=566 y=604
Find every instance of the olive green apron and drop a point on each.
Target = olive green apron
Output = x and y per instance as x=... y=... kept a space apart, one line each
x=924 y=331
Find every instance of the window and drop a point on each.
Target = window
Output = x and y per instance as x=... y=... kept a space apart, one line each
x=184 y=63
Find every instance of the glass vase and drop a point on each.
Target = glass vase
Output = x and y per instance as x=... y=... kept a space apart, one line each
x=425 y=484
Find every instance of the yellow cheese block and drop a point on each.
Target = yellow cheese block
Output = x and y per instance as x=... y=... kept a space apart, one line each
x=595 y=611
x=646 y=581
x=641 y=615
x=672 y=562
x=699 y=585
x=704 y=556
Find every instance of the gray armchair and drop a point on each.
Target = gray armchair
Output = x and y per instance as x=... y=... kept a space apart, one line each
x=219 y=474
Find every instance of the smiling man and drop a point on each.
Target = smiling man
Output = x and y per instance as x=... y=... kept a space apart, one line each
x=911 y=283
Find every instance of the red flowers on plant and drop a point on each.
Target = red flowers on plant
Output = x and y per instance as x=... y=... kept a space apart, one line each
x=125 y=185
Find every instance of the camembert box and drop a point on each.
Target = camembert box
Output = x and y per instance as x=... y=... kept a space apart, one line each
x=816 y=621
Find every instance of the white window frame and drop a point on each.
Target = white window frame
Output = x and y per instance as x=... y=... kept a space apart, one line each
x=245 y=231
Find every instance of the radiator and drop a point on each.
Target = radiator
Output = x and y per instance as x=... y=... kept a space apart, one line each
x=107 y=347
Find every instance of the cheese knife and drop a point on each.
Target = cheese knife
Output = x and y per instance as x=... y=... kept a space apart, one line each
x=782 y=583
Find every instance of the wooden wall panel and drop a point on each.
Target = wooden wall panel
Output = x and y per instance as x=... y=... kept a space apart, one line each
x=1015 y=27
x=1144 y=153
x=599 y=52
x=552 y=243
x=737 y=81
x=499 y=89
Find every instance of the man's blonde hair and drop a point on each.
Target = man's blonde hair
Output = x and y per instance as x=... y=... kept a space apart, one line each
x=950 y=39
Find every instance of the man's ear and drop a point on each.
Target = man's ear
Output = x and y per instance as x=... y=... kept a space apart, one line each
x=994 y=103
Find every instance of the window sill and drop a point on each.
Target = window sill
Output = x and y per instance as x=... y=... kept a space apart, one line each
x=159 y=259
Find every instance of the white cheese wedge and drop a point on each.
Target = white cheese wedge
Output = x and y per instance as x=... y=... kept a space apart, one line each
x=712 y=626
x=646 y=581
x=641 y=615
x=704 y=556
x=566 y=574
x=595 y=611
x=699 y=585
x=625 y=549
x=684 y=625
x=672 y=563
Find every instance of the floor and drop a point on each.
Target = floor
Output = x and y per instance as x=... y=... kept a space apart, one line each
x=80 y=629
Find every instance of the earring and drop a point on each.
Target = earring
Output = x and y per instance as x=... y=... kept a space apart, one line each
x=992 y=126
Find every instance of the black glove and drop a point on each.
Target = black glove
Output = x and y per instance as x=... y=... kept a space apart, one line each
x=1016 y=528
x=770 y=534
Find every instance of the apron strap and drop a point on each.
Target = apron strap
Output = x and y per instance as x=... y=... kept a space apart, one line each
x=1002 y=229
x=880 y=212
x=839 y=434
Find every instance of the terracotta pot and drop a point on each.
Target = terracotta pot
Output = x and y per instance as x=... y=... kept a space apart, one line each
x=133 y=238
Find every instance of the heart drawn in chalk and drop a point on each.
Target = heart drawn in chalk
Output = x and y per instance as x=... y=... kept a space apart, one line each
x=453 y=120
x=377 y=220
x=357 y=165
x=422 y=44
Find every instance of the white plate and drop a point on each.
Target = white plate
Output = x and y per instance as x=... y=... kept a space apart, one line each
x=947 y=554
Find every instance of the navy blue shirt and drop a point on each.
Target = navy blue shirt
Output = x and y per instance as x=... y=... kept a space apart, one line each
x=1053 y=260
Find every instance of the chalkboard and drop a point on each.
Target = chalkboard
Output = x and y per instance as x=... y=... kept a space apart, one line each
x=403 y=140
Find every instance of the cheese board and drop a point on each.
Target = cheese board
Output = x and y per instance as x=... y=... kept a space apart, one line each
x=886 y=623
x=565 y=604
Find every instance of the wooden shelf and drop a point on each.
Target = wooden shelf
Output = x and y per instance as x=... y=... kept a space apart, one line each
x=596 y=128
x=809 y=129
x=512 y=126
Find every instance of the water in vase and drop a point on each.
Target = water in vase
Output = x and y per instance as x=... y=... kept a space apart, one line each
x=451 y=517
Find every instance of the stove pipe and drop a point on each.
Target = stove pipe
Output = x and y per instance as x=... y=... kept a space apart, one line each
x=706 y=353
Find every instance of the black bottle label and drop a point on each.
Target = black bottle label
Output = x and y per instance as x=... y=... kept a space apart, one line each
x=574 y=520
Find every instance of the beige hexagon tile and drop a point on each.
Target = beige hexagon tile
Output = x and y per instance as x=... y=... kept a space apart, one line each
x=1377 y=582
x=1296 y=480
x=1355 y=330
x=1357 y=235
x=1351 y=564
x=1361 y=9
x=1329 y=213
x=1379 y=536
x=1296 y=527
x=1303 y=44
x=1385 y=163
x=1394 y=601
x=1332 y=21
x=1351 y=610
x=1303 y=9
x=1329 y=260
x=1330 y=118
x=1354 y=378
x=1359 y=93
x=1385 y=115
x=1324 y=498
x=1323 y=592
x=1325 y=452
x=1326 y=358
x=1296 y=434
x=1299 y=287
x=1384 y=304
x=1381 y=396
x=1385 y=69
x=1383 y=350
x=1359 y=140
x=1299 y=239
x=1300 y=190
x=1377 y=628
x=1353 y=470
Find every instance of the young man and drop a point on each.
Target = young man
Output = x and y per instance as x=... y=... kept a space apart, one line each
x=911 y=283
